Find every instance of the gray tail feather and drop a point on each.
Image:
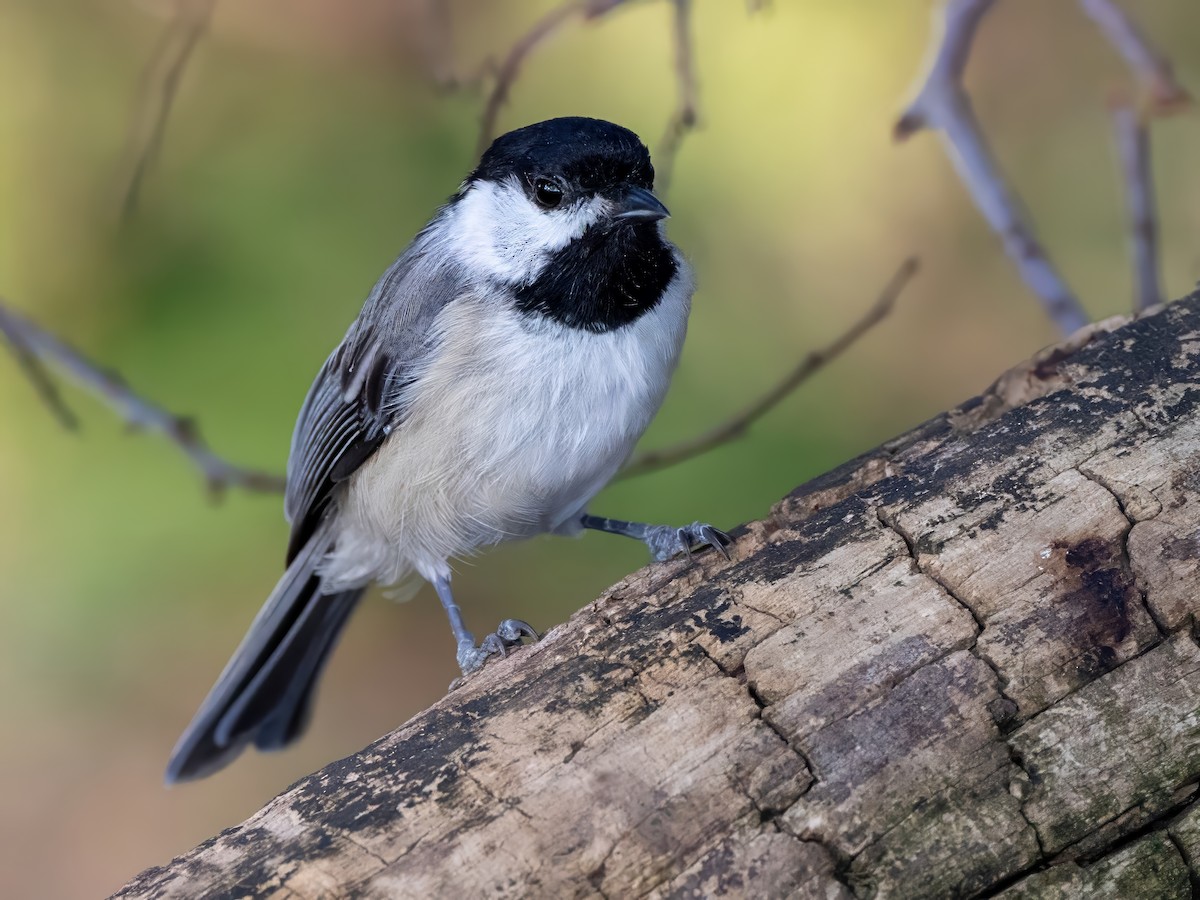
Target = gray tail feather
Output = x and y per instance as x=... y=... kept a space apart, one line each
x=264 y=695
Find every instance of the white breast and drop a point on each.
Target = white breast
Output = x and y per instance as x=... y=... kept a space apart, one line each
x=517 y=424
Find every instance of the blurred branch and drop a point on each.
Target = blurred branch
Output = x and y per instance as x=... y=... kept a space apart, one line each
x=737 y=425
x=943 y=105
x=683 y=119
x=1133 y=151
x=1162 y=93
x=16 y=330
x=510 y=68
x=160 y=83
x=1159 y=94
x=35 y=347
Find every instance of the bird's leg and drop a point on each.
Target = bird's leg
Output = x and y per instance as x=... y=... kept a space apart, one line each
x=471 y=657
x=664 y=541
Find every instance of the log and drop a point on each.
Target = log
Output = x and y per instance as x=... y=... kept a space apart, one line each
x=962 y=665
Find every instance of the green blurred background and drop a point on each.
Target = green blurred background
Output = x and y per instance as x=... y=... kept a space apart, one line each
x=306 y=147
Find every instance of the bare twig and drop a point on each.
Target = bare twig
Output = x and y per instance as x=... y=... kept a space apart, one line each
x=943 y=105
x=683 y=119
x=28 y=360
x=508 y=70
x=737 y=425
x=34 y=347
x=1162 y=93
x=541 y=30
x=1159 y=94
x=1133 y=150
x=160 y=83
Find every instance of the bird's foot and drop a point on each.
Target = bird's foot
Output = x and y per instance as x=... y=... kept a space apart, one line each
x=507 y=634
x=666 y=541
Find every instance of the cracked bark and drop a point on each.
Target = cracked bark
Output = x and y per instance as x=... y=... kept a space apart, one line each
x=961 y=665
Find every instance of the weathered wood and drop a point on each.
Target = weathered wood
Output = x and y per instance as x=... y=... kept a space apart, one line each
x=1151 y=867
x=962 y=665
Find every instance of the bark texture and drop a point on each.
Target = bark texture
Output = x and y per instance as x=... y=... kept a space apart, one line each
x=961 y=665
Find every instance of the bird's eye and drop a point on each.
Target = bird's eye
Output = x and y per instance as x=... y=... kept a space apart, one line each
x=547 y=193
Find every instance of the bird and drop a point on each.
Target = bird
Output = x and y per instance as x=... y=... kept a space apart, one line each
x=497 y=378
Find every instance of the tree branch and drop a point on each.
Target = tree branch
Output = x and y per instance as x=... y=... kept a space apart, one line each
x=35 y=347
x=510 y=68
x=1162 y=93
x=737 y=425
x=1133 y=151
x=15 y=330
x=683 y=119
x=943 y=105
x=1159 y=94
x=904 y=684
x=160 y=83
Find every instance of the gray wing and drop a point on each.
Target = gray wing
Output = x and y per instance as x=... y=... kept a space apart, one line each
x=357 y=397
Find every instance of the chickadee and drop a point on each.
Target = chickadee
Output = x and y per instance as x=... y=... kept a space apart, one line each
x=498 y=376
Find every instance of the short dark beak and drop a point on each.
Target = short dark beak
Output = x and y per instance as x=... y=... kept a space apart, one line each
x=639 y=205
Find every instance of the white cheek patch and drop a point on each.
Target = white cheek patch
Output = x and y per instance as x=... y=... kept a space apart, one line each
x=502 y=234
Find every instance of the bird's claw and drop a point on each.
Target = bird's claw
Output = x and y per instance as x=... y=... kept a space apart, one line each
x=665 y=541
x=507 y=634
x=511 y=631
